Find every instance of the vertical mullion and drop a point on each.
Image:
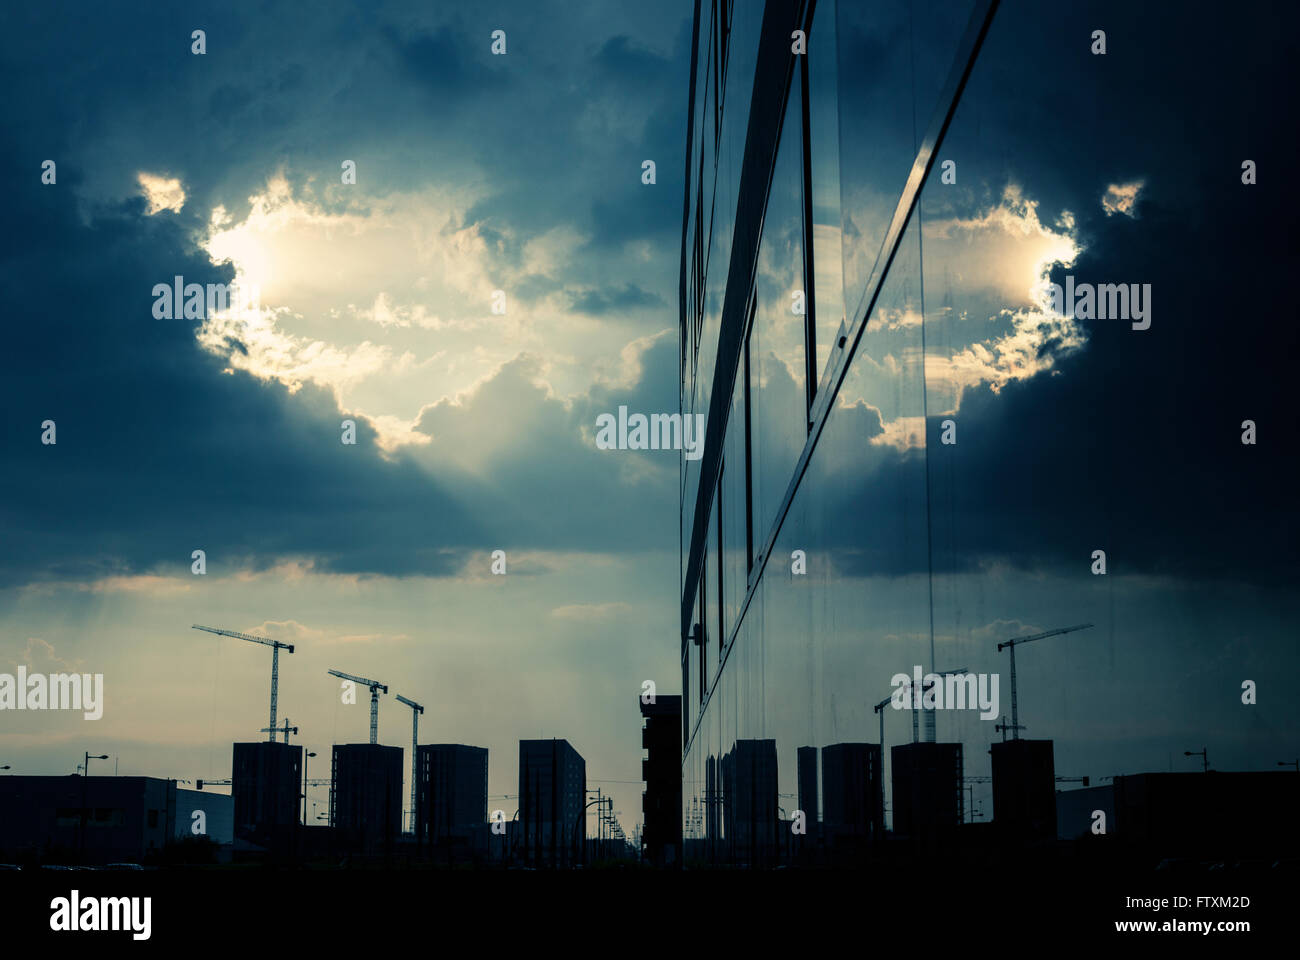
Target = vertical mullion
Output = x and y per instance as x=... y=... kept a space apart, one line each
x=722 y=604
x=717 y=81
x=809 y=274
x=749 y=458
x=702 y=632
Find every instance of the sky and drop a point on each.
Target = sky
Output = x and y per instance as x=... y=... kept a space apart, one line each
x=522 y=173
x=474 y=173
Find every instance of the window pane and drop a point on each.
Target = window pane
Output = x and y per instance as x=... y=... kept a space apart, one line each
x=776 y=344
x=824 y=143
x=894 y=57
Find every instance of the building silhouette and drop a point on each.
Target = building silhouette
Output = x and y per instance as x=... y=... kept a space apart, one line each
x=366 y=797
x=266 y=784
x=552 y=798
x=451 y=791
x=218 y=819
x=93 y=820
x=661 y=769
x=806 y=758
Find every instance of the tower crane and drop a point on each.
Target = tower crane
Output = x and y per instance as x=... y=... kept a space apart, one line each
x=375 y=686
x=276 y=646
x=1011 y=644
x=416 y=710
x=929 y=714
x=879 y=708
x=285 y=729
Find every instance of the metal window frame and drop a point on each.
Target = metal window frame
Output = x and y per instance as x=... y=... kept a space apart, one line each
x=809 y=275
x=749 y=456
x=722 y=598
x=773 y=69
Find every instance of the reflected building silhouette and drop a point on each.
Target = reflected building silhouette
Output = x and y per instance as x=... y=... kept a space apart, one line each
x=851 y=310
x=750 y=802
x=1024 y=789
x=854 y=817
x=927 y=785
x=789 y=511
x=809 y=801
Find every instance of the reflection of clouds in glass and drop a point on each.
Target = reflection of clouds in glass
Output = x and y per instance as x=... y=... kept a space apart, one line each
x=866 y=217
x=898 y=319
x=1006 y=247
x=780 y=275
x=902 y=433
x=995 y=265
x=1035 y=342
x=987 y=319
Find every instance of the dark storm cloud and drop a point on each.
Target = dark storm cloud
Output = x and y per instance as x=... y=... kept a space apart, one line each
x=441 y=63
x=159 y=450
x=598 y=302
x=622 y=60
x=412 y=93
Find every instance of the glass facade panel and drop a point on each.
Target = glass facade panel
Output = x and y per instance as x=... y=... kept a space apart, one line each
x=712 y=602
x=894 y=56
x=735 y=570
x=997 y=460
x=823 y=182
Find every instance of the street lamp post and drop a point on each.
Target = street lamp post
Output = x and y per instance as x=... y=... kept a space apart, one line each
x=1280 y=763
x=304 y=784
x=85 y=776
x=578 y=822
x=1203 y=753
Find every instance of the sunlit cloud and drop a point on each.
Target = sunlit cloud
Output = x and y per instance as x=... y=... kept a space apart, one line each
x=902 y=433
x=271 y=354
x=592 y=612
x=162 y=193
x=886 y=319
x=387 y=301
x=1034 y=344
x=1006 y=248
x=1121 y=198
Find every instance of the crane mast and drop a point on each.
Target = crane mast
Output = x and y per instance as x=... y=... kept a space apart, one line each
x=375 y=686
x=276 y=646
x=1011 y=645
x=416 y=710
